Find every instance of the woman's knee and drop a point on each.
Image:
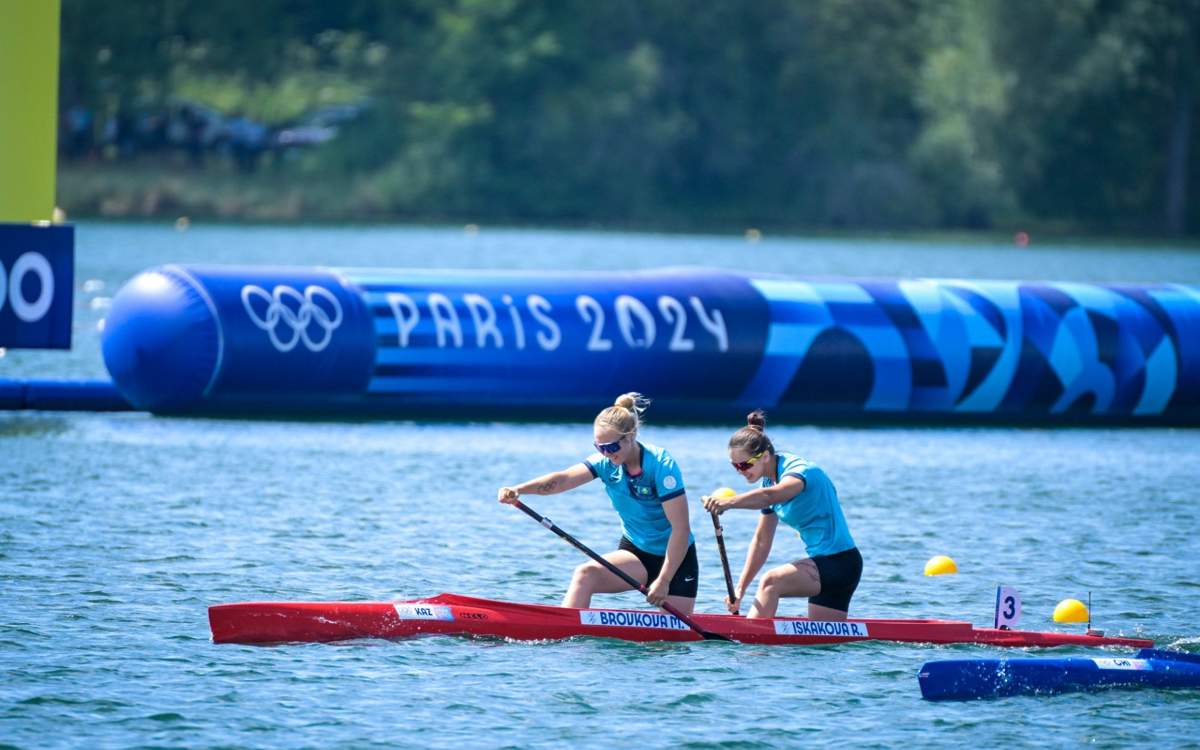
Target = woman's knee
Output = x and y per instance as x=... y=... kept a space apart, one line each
x=771 y=580
x=801 y=580
x=588 y=574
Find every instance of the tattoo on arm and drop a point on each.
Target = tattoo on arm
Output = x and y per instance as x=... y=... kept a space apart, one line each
x=545 y=487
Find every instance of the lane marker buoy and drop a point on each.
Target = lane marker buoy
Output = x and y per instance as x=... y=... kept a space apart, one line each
x=1071 y=610
x=940 y=565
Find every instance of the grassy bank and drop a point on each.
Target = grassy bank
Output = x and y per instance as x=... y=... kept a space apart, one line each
x=168 y=191
x=123 y=191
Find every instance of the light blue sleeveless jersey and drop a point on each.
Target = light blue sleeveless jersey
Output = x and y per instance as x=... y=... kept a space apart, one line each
x=816 y=512
x=638 y=500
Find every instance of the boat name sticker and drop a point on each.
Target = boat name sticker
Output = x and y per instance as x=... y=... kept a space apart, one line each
x=622 y=619
x=423 y=612
x=1133 y=664
x=821 y=627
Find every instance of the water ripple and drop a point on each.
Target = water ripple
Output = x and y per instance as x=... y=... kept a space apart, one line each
x=110 y=556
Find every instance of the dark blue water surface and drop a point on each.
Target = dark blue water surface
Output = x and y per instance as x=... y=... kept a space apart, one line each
x=118 y=530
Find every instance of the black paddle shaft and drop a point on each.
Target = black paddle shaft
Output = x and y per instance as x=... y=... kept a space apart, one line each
x=614 y=569
x=720 y=532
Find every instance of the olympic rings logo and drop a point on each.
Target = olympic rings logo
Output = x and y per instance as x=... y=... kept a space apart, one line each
x=296 y=312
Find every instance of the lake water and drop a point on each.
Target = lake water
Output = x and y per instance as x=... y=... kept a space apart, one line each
x=118 y=530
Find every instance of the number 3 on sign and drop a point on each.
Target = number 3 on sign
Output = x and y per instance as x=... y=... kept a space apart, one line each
x=1008 y=607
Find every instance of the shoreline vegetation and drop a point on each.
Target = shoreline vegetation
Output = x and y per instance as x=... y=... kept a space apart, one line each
x=892 y=116
x=158 y=192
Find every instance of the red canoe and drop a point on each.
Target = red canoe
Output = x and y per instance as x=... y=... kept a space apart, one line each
x=452 y=614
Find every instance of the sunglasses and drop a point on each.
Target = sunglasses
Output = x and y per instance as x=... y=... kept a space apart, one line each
x=612 y=447
x=744 y=465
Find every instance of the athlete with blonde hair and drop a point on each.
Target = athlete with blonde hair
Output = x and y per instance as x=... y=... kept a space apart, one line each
x=646 y=488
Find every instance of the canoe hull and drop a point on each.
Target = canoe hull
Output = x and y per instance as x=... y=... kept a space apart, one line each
x=453 y=614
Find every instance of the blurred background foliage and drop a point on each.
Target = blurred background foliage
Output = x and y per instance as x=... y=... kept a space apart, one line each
x=861 y=114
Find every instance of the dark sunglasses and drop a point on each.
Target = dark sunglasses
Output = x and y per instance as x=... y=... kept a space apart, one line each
x=744 y=465
x=612 y=447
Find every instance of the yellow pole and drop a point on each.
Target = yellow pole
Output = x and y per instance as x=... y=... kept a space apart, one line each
x=29 y=107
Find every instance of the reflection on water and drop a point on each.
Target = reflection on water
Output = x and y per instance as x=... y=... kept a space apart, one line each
x=18 y=424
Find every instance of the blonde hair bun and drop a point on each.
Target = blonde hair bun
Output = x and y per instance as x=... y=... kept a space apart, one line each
x=633 y=401
x=625 y=415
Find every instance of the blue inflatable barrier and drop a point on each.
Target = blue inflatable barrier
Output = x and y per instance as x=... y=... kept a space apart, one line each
x=706 y=345
x=12 y=394
x=61 y=395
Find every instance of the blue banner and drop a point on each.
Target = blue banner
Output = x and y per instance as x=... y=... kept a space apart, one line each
x=705 y=345
x=538 y=339
x=37 y=279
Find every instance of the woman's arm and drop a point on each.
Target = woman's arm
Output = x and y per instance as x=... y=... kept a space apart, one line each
x=759 y=498
x=756 y=555
x=548 y=484
x=676 y=511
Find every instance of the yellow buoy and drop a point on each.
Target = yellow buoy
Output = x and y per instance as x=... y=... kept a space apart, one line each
x=940 y=565
x=723 y=492
x=1071 y=610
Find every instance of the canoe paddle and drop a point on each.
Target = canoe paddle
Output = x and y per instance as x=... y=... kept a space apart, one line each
x=720 y=532
x=708 y=636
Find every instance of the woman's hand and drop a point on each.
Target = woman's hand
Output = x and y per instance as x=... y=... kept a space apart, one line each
x=735 y=604
x=657 y=593
x=715 y=504
x=508 y=496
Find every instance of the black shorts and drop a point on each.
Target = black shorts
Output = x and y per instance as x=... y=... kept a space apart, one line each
x=686 y=581
x=839 y=578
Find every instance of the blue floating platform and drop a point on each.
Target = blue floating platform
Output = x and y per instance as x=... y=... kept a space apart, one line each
x=61 y=395
x=972 y=679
